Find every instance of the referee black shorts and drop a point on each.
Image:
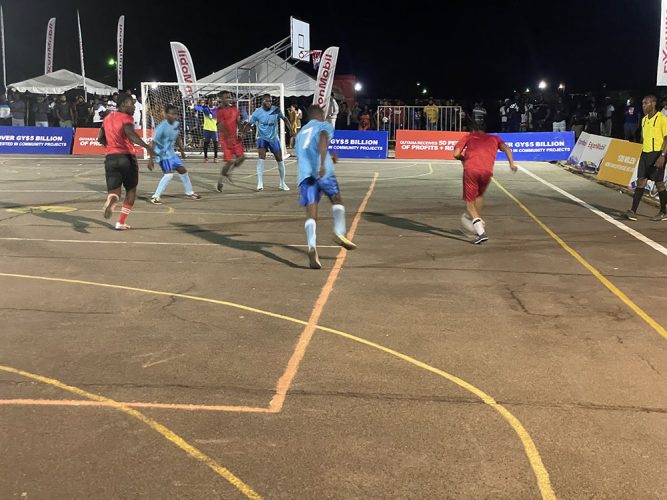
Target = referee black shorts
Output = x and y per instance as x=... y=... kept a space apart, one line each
x=121 y=170
x=647 y=169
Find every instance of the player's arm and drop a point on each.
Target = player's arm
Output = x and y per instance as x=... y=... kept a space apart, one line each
x=132 y=135
x=287 y=124
x=101 y=137
x=179 y=145
x=458 y=153
x=508 y=152
x=323 y=146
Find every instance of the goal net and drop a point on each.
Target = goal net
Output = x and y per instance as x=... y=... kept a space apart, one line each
x=197 y=104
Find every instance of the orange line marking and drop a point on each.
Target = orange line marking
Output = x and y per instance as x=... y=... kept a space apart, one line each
x=285 y=381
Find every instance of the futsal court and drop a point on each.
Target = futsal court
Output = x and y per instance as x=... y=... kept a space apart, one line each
x=197 y=355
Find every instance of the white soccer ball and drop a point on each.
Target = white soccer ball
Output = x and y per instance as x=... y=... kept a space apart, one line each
x=466 y=222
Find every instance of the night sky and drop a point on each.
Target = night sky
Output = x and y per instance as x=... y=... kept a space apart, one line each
x=462 y=49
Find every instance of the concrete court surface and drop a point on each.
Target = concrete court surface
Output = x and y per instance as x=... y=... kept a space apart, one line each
x=196 y=356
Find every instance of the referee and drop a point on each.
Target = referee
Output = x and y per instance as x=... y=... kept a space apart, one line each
x=652 y=160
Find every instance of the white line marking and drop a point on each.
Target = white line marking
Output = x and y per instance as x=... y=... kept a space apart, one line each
x=164 y=243
x=655 y=246
x=44 y=191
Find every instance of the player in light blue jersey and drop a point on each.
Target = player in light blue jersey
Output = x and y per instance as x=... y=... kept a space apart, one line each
x=267 y=117
x=316 y=176
x=165 y=137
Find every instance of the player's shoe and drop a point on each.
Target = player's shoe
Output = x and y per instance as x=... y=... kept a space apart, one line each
x=341 y=240
x=193 y=196
x=121 y=227
x=215 y=160
x=283 y=186
x=205 y=160
x=110 y=205
x=155 y=200
x=219 y=186
x=314 y=259
x=260 y=186
x=630 y=215
x=660 y=217
x=481 y=238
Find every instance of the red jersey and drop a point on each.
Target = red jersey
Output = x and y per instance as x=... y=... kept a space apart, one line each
x=479 y=151
x=229 y=117
x=117 y=142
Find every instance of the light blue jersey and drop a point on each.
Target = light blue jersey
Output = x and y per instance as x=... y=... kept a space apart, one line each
x=308 y=151
x=164 y=140
x=268 y=122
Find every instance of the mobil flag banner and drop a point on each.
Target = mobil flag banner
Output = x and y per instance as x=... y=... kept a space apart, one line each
x=185 y=68
x=325 y=78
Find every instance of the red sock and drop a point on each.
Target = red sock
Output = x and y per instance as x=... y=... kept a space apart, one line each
x=124 y=212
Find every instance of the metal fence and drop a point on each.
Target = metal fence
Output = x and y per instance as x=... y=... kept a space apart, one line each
x=393 y=118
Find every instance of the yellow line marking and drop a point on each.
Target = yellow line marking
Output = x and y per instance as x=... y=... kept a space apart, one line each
x=529 y=447
x=285 y=380
x=610 y=286
x=163 y=406
x=532 y=453
x=153 y=424
x=430 y=172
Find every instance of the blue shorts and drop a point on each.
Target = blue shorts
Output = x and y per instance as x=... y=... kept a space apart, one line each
x=312 y=189
x=210 y=135
x=171 y=164
x=273 y=146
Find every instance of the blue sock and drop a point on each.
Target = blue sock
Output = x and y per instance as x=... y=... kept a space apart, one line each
x=311 y=233
x=260 y=172
x=281 y=171
x=187 y=185
x=166 y=179
x=338 y=212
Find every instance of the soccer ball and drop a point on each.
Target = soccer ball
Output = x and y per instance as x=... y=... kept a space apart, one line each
x=466 y=222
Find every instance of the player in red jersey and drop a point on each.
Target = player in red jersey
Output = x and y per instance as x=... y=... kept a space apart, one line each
x=478 y=152
x=229 y=124
x=120 y=164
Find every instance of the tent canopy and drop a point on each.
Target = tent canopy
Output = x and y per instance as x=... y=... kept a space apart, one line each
x=265 y=67
x=60 y=82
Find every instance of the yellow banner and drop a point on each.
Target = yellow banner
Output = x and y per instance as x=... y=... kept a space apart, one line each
x=620 y=161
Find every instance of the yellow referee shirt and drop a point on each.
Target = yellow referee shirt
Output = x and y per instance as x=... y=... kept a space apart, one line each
x=654 y=130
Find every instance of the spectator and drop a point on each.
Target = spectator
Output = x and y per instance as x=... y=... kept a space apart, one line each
x=631 y=124
x=63 y=112
x=607 y=115
x=398 y=116
x=593 y=120
x=432 y=113
x=578 y=121
x=82 y=112
x=18 y=109
x=138 y=112
x=527 y=117
x=479 y=114
x=343 y=118
x=417 y=116
x=540 y=115
x=365 y=119
x=385 y=113
x=111 y=103
x=333 y=111
x=294 y=114
x=5 y=112
x=354 y=116
x=40 y=111
x=514 y=113
x=504 y=111
x=98 y=113
x=559 y=116
x=664 y=107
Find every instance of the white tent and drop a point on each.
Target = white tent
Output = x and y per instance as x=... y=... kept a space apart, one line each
x=265 y=67
x=59 y=82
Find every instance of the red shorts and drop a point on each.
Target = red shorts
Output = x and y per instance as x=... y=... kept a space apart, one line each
x=231 y=148
x=475 y=183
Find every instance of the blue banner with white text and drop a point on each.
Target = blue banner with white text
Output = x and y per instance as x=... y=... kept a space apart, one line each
x=36 y=140
x=360 y=144
x=538 y=146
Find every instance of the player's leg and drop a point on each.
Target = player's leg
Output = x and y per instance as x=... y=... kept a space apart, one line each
x=329 y=185
x=261 y=151
x=214 y=138
x=643 y=174
x=474 y=186
x=207 y=142
x=659 y=178
x=277 y=151
x=167 y=175
x=309 y=198
x=130 y=172
x=114 y=184
x=187 y=183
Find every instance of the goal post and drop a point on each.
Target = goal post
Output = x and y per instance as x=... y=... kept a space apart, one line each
x=195 y=100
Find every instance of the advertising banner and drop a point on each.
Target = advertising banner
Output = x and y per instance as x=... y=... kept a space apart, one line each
x=620 y=162
x=538 y=146
x=35 y=140
x=589 y=150
x=426 y=144
x=360 y=144
x=85 y=142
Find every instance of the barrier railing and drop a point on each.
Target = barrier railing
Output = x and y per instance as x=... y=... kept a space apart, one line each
x=442 y=118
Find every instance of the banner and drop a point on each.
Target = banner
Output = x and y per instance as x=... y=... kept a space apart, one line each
x=589 y=151
x=317 y=57
x=120 y=37
x=50 y=44
x=662 y=51
x=2 y=34
x=538 y=146
x=360 y=144
x=620 y=162
x=85 y=142
x=35 y=140
x=325 y=78
x=83 y=68
x=185 y=68
x=426 y=144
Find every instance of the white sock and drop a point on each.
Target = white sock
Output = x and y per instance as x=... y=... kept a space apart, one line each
x=187 y=184
x=281 y=171
x=338 y=212
x=166 y=179
x=260 y=172
x=311 y=233
x=478 y=226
